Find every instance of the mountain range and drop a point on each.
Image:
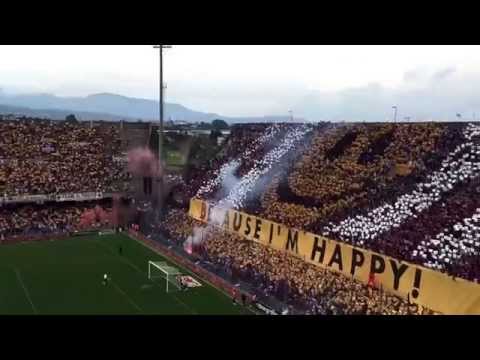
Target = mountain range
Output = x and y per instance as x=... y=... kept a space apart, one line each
x=107 y=106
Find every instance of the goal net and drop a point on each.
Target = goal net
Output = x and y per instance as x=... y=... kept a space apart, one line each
x=160 y=269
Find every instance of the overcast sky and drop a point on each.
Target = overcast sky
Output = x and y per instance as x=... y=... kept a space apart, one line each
x=319 y=82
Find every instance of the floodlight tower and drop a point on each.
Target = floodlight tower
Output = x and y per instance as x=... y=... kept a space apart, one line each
x=394 y=113
x=160 y=129
x=160 y=104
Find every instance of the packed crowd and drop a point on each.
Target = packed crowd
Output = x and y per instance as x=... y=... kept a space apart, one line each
x=46 y=157
x=207 y=178
x=32 y=220
x=462 y=165
x=177 y=225
x=404 y=201
x=302 y=286
x=249 y=152
x=405 y=190
x=455 y=249
x=459 y=169
x=299 y=284
x=410 y=191
x=349 y=167
x=240 y=189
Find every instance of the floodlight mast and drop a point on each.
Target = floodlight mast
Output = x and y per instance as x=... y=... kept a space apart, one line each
x=160 y=129
x=394 y=113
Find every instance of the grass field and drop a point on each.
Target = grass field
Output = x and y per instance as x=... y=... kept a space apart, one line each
x=65 y=277
x=175 y=158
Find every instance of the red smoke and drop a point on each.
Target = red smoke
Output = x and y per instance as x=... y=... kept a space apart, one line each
x=187 y=246
x=121 y=212
x=87 y=219
x=101 y=215
x=90 y=217
x=143 y=162
x=116 y=210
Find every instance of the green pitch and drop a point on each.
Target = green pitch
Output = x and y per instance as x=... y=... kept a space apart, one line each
x=65 y=277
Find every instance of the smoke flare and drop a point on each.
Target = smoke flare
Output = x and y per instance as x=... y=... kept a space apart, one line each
x=143 y=162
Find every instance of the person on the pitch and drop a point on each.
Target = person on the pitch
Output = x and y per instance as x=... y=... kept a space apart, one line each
x=105 y=279
x=120 y=250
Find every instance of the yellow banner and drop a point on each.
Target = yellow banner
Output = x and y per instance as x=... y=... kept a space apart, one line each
x=420 y=285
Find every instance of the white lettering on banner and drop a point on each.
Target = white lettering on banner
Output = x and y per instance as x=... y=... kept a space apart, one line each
x=432 y=289
x=80 y=196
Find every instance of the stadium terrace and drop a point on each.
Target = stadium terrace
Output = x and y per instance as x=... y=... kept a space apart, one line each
x=284 y=218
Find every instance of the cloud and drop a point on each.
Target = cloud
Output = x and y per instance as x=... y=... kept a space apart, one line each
x=422 y=96
x=412 y=75
x=443 y=74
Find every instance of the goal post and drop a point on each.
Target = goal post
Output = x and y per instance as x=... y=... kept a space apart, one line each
x=160 y=269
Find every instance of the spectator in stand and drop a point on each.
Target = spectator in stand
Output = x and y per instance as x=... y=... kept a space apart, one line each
x=406 y=190
x=304 y=285
x=249 y=147
x=32 y=220
x=460 y=167
x=341 y=167
x=45 y=157
x=278 y=274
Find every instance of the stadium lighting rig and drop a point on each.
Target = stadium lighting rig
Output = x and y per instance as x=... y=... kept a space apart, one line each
x=394 y=114
x=160 y=104
x=161 y=114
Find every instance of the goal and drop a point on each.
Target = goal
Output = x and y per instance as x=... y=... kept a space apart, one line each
x=160 y=269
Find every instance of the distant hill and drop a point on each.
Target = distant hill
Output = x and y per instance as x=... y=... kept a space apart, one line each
x=111 y=107
x=59 y=114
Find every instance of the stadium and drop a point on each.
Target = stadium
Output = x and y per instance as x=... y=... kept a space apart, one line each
x=107 y=208
x=278 y=218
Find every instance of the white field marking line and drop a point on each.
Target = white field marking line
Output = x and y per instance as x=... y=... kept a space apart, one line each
x=130 y=300
x=128 y=262
x=190 y=272
x=25 y=290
